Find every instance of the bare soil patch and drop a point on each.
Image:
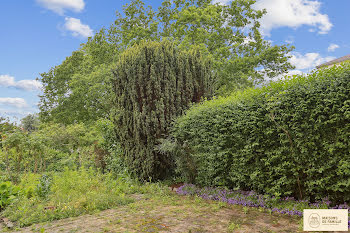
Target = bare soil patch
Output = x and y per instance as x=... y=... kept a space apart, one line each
x=173 y=214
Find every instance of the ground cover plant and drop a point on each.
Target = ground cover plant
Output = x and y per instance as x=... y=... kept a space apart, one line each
x=71 y=193
x=287 y=205
x=169 y=212
x=8 y=192
x=289 y=138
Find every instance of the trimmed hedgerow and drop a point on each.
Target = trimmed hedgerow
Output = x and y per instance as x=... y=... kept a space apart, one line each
x=289 y=138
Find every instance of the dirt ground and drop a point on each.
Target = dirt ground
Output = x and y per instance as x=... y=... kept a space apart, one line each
x=173 y=214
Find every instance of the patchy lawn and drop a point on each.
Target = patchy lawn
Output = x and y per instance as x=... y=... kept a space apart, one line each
x=173 y=213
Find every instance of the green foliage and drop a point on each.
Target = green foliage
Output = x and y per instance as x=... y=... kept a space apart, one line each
x=73 y=193
x=154 y=82
x=43 y=189
x=109 y=146
x=30 y=123
x=51 y=148
x=8 y=192
x=79 y=89
x=5 y=128
x=289 y=138
x=227 y=33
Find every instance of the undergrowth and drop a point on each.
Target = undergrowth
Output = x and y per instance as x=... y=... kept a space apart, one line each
x=72 y=193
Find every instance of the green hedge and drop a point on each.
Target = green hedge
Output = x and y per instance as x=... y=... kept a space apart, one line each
x=289 y=138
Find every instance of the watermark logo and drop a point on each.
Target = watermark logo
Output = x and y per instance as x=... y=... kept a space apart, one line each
x=314 y=220
x=325 y=220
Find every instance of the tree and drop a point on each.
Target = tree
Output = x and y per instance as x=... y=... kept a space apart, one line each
x=153 y=83
x=30 y=123
x=6 y=127
x=229 y=33
x=79 y=89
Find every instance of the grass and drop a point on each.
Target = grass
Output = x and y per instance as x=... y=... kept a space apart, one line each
x=71 y=193
x=170 y=212
x=124 y=205
x=233 y=227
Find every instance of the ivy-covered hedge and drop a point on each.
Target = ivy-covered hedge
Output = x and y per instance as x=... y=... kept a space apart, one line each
x=289 y=138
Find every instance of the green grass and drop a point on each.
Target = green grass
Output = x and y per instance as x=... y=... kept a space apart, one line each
x=73 y=193
x=134 y=206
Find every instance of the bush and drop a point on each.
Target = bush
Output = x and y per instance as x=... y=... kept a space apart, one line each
x=67 y=194
x=43 y=188
x=52 y=148
x=8 y=192
x=153 y=83
x=287 y=138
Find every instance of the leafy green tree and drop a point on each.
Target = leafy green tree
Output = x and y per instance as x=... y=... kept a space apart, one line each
x=79 y=89
x=13 y=149
x=30 y=123
x=50 y=148
x=153 y=83
x=5 y=127
x=229 y=33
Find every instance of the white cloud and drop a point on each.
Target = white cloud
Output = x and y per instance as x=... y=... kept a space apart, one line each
x=222 y=2
x=290 y=40
x=332 y=47
x=17 y=112
x=292 y=13
x=7 y=80
x=282 y=76
x=303 y=64
x=294 y=72
x=308 y=60
x=16 y=102
x=77 y=28
x=59 y=6
x=15 y=115
x=28 y=85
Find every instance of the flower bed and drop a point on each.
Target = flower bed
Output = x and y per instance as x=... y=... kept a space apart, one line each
x=287 y=205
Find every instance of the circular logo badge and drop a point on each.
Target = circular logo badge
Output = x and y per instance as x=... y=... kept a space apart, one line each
x=314 y=220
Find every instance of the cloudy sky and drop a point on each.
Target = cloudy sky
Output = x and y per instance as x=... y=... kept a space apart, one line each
x=38 y=34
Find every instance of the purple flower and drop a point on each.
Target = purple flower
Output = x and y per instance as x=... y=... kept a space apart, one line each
x=286 y=205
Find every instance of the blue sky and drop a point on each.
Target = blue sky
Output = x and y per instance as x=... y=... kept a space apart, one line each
x=38 y=34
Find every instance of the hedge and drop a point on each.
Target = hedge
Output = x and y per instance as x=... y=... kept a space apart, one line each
x=288 y=138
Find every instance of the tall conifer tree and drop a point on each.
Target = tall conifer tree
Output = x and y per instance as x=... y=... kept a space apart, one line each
x=153 y=83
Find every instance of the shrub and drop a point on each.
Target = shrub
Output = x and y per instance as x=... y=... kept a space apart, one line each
x=51 y=148
x=112 y=154
x=287 y=138
x=67 y=194
x=153 y=83
x=8 y=192
x=43 y=188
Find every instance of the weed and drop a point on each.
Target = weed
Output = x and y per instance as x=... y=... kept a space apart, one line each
x=72 y=193
x=233 y=226
x=245 y=210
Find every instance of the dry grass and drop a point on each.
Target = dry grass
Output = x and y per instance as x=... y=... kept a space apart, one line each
x=173 y=214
